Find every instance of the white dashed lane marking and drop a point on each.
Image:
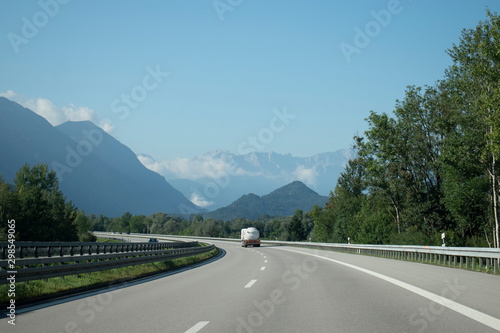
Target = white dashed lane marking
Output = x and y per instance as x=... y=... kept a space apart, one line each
x=197 y=327
x=250 y=284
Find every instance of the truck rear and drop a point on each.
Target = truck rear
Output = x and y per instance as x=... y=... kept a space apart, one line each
x=250 y=236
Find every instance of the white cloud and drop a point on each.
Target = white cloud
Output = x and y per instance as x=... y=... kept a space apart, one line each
x=205 y=166
x=57 y=115
x=307 y=176
x=200 y=201
x=8 y=94
x=46 y=109
x=151 y=164
x=106 y=126
x=73 y=113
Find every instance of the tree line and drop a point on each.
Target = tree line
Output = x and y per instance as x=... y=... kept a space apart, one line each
x=430 y=167
x=298 y=227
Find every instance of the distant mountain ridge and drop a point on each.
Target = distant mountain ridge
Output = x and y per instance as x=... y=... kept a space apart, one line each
x=216 y=179
x=97 y=172
x=280 y=202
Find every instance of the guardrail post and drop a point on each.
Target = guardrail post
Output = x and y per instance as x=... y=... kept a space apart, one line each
x=61 y=251
x=49 y=254
x=496 y=266
x=480 y=263
x=487 y=264
x=473 y=263
x=467 y=260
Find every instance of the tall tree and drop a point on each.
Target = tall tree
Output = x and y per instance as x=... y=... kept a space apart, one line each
x=475 y=78
x=339 y=220
x=296 y=231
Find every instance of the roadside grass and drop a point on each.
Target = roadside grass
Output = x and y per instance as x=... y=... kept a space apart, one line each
x=53 y=287
x=108 y=240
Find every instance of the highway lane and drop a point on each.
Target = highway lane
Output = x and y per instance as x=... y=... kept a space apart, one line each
x=278 y=289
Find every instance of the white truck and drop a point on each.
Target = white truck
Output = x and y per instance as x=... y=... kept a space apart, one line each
x=250 y=236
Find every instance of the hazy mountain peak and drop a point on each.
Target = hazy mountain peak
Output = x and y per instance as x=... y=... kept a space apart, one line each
x=280 y=202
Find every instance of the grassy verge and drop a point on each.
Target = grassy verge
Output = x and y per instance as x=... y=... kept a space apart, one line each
x=59 y=286
x=108 y=240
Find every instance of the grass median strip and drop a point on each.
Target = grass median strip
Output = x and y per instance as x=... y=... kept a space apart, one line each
x=53 y=287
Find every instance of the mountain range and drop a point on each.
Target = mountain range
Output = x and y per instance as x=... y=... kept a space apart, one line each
x=96 y=172
x=216 y=179
x=281 y=202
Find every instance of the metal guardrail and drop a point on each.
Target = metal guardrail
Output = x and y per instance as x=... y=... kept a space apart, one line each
x=50 y=249
x=463 y=257
x=39 y=260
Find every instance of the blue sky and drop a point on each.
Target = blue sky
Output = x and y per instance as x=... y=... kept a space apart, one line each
x=179 y=78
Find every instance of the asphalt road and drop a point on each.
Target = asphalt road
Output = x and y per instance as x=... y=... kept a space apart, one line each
x=282 y=289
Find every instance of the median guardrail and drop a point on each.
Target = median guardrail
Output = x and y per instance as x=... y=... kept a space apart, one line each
x=42 y=260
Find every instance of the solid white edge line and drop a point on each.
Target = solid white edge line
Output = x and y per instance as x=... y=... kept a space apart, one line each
x=249 y=284
x=457 y=307
x=197 y=327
